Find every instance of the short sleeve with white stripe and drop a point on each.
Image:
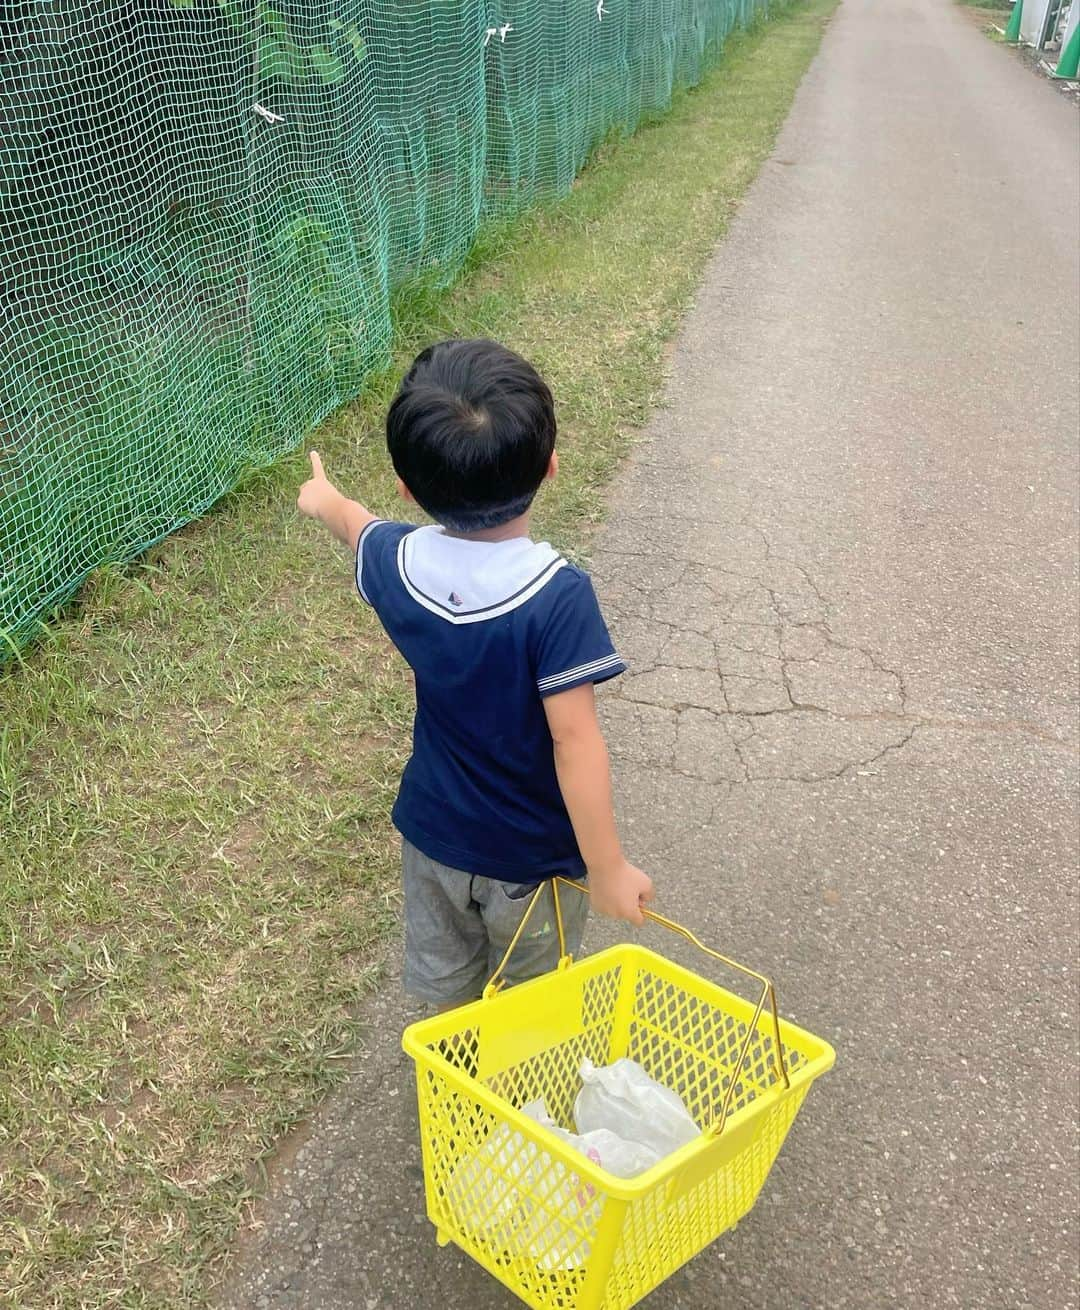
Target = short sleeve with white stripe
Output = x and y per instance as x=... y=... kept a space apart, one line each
x=376 y=557
x=573 y=646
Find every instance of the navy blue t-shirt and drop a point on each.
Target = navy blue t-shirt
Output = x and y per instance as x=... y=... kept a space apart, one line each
x=489 y=629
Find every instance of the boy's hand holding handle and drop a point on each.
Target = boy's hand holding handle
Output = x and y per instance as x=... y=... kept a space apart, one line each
x=621 y=892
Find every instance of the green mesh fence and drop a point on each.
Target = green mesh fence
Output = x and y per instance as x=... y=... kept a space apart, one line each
x=206 y=204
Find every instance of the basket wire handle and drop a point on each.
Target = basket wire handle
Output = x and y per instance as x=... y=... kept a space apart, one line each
x=767 y=997
x=498 y=978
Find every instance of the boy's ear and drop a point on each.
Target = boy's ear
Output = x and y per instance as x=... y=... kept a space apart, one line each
x=404 y=492
x=553 y=465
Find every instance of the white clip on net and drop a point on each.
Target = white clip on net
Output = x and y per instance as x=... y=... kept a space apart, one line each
x=500 y=32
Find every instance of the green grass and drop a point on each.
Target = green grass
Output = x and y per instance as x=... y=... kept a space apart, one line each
x=989 y=14
x=197 y=872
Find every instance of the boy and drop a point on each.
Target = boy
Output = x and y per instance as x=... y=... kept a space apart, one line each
x=508 y=784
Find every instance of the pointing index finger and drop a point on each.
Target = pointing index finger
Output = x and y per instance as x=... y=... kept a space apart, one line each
x=316 y=465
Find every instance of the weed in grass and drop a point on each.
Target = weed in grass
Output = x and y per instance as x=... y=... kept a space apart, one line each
x=990 y=15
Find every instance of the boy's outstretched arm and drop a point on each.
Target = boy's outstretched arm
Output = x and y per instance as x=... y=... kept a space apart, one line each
x=321 y=500
x=618 y=889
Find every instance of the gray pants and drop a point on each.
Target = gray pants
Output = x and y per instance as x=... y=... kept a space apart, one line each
x=459 y=925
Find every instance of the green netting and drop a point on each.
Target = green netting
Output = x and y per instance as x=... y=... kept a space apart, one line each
x=206 y=204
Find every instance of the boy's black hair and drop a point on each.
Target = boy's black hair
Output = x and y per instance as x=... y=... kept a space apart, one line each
x=470 y=433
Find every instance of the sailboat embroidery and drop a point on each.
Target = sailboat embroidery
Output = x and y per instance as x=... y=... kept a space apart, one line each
x=455 y=599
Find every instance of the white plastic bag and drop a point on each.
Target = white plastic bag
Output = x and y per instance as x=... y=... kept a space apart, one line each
x=488 y=1181
x=623 y=1099
x=508 y=1170
x=504 y=1175
x=611 y=1152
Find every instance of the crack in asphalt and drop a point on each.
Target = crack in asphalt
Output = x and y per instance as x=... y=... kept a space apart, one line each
x=801 y=646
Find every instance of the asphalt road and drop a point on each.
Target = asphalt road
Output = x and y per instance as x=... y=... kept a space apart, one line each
x=844 y=566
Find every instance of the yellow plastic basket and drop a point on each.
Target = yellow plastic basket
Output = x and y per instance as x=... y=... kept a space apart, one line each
x=556 y=1229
